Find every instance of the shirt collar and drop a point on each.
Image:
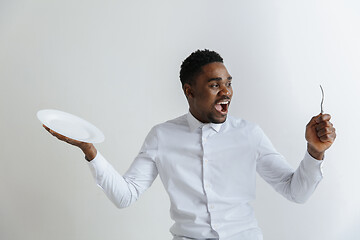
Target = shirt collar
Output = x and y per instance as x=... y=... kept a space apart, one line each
x=195 y=124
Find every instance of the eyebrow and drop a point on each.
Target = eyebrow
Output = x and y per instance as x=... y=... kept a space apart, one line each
x=218 y=79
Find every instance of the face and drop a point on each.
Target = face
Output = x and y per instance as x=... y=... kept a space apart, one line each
x=210 y=95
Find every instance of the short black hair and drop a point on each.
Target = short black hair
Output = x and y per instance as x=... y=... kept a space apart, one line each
x=193 y=63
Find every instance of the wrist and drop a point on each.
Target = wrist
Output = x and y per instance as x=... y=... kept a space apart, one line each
x=314 y=153
x=89 y=150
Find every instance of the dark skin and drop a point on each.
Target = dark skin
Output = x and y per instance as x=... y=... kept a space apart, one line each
x=320 y=135
x=88 y=148
x=209 y=98
x=203 y=94
x=211 y=85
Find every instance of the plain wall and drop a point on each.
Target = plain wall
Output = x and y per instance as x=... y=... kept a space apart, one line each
x=116 y=64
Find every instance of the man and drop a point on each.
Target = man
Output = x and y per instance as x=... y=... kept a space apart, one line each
x=207 y=160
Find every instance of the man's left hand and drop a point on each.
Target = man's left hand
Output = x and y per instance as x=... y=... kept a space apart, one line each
x=320 y=135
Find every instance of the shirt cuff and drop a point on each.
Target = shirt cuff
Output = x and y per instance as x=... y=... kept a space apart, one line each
x=313 y=167
x=98 y=165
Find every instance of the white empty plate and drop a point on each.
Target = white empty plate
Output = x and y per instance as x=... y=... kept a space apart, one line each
x=70 y=126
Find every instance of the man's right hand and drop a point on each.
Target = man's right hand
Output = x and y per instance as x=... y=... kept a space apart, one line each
x=88 y=148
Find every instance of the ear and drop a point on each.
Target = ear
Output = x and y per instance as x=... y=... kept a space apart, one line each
x=188 y=90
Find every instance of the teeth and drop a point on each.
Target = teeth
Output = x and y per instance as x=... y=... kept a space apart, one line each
x=225 y=102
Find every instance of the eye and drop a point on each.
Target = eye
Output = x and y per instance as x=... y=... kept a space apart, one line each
x=214 y=85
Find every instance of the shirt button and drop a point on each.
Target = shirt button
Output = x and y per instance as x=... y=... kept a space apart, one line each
x=211 y=206
x=206 y=161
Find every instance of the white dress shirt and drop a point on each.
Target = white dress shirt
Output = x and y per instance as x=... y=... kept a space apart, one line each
x=209 y=172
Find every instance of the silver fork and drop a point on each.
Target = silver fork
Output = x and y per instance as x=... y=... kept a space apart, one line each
x=322 y=99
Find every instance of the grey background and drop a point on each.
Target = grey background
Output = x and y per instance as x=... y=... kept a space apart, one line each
x=116 y=64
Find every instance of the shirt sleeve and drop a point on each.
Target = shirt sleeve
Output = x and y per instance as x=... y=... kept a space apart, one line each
x=295 y=185
x=126 y=189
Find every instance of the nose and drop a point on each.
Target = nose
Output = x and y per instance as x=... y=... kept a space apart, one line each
x=225 y=91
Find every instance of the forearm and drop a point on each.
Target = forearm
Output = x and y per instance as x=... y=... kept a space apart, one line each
x=121 y=192
x=305 y=179
x=295 y=185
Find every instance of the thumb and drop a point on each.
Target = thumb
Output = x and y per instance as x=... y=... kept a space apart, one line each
x=314 y=120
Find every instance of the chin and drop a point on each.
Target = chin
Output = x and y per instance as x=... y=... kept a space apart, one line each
x=218 y=120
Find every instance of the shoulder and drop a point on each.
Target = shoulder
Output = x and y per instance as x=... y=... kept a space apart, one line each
x=244 y=129
x=242 y=124
x=171 y=124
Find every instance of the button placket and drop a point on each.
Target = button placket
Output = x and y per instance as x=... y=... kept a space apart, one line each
x=206 y=133
x=215 y=226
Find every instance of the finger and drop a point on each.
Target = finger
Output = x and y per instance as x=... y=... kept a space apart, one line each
x=322 y=125
x=325 y=130
x=66 y=139
x=69 y=140
x=323 y=117
x=312 y=121
x=328 y=137
x=47 y=129
x=74 y=142
x=57 y=135
x=62 y=137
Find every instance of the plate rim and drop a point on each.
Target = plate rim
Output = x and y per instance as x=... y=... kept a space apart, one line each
x=99 y=135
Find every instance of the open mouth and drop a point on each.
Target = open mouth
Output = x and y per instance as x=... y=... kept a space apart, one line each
x=222 y=106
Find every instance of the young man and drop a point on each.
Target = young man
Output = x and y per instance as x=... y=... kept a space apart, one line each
x=208 y=160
